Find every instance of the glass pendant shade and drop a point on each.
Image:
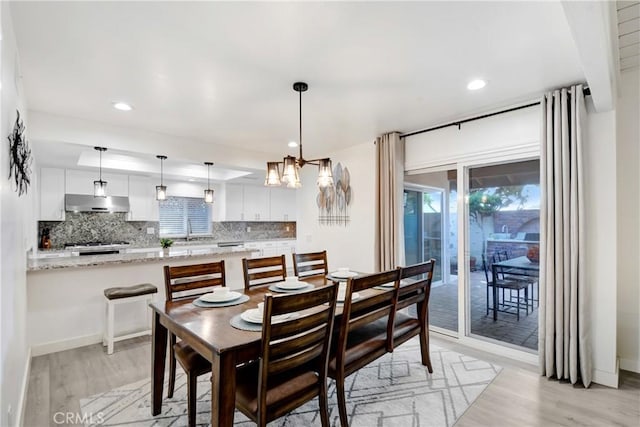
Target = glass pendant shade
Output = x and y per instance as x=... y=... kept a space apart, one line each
x=208 y=195
x=273 y=174
x=161 y=192
x=100 y=188
x=325 y=177
x=289 y=171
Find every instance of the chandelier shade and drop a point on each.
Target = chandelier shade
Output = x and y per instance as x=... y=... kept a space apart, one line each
x=100 y=186
x=291 y=165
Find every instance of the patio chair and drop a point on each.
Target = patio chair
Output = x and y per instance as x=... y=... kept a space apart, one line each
x=515 y=285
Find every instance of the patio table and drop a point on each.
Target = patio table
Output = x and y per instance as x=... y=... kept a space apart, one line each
x=519 y=266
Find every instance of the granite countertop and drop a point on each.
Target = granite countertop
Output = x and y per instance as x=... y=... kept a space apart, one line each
x=152 y=254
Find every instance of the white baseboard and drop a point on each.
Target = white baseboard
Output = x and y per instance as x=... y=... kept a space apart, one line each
x=632 y=365
x=609 y=379
x=22 y=403
x=68 y=344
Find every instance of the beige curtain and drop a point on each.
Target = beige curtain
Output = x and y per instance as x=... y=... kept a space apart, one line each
x=389 y=201
x=564 y=346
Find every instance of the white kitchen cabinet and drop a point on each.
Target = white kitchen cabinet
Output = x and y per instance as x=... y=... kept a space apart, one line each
x=256 y=203
x=81 y=182
x=234 y=206
x=282 y=204
x=142 y=200
x=52 y=190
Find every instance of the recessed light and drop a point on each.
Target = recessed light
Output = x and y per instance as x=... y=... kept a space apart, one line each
x=192 y=180
x=122 y=106
x=293 y=144
x=476 y=84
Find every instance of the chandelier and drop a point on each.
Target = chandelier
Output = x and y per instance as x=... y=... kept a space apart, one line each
x=290 y=165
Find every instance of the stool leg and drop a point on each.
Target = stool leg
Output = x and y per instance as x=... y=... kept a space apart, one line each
x=106 y=322
x=110 y=326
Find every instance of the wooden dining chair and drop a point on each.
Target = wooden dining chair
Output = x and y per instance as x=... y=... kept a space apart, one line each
x=358 y=345
x=263 y=271
x=414 y=290
x=292 y=368
x=183 y=282
x=310 y=265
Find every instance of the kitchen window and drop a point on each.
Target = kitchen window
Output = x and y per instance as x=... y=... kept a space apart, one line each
x=184 y=216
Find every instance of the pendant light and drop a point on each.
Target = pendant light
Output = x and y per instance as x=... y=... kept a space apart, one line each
x=208 y=193
x=161 y=190
x=291 y=165
x=100 y=186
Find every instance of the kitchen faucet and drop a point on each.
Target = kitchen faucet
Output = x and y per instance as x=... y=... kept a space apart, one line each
x=505 y=228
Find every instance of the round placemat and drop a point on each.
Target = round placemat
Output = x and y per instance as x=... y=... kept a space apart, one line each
x=205 y=304
x=239 y=323
x=275 y=288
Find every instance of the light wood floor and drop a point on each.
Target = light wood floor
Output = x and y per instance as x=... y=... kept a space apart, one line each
x=517 y=397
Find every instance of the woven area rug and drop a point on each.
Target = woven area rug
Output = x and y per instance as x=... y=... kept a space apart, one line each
x=395 y=390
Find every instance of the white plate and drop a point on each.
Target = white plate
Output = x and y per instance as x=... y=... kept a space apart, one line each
x=344 y=274
x=387 y=285
x=291 y=285
x=354 y=297
x=217 y=297
x=253 y=315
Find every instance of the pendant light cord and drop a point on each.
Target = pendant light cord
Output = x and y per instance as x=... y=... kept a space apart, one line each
x=300 y=125
x=100 y=165
x=161 y=172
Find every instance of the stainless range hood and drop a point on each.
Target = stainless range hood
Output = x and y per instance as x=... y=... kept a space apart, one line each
x=89 y=203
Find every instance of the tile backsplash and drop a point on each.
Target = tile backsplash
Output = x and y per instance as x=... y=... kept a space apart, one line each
x=110 y=227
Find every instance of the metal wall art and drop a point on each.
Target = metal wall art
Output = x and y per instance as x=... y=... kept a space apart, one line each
x=19 y=158
x=333 y=201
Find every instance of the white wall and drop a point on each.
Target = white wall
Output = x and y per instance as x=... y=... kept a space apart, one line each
x=351 y=246
x=628 y=179
x=499 y=137
x=601 y=246
x=17 y=235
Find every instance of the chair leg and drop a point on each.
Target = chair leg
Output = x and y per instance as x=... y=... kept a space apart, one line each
x=526 y=299
x=172 y=366
x=518 y=307
x=191 y=398
x=487 y=299
x=324 y=406
x=342 y=404
x=424 y=346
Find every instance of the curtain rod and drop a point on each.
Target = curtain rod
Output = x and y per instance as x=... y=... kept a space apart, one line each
x=586 y=91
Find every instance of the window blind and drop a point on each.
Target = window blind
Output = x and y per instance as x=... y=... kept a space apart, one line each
x=177 y=212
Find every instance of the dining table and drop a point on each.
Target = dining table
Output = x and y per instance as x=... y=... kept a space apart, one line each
x=518 y=266
x=209 y=332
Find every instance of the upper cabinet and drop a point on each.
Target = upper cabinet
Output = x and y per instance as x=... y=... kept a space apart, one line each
x=234 y=202
x=283 y=204
x=81 y=182
x=142 y=200
x=52 y=191
x=257 y=203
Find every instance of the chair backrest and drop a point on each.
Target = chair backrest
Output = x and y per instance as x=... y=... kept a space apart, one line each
x=363 y=311
x=310 y=264
x=263 y=271
x=302 y=340
x=190 y=280
x=417 y=287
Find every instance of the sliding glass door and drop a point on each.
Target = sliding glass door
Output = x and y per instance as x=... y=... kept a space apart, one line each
x=430 y=232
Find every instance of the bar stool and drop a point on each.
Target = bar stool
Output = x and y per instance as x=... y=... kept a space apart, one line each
x=120 y=295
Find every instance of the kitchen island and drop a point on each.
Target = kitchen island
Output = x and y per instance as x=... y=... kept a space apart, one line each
x=65 y=300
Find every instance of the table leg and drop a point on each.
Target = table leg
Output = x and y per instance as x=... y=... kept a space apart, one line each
x=158 y=355
x=223 y=389
x=495 y=294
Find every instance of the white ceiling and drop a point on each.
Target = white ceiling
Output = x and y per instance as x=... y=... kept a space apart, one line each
x=221 y=73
